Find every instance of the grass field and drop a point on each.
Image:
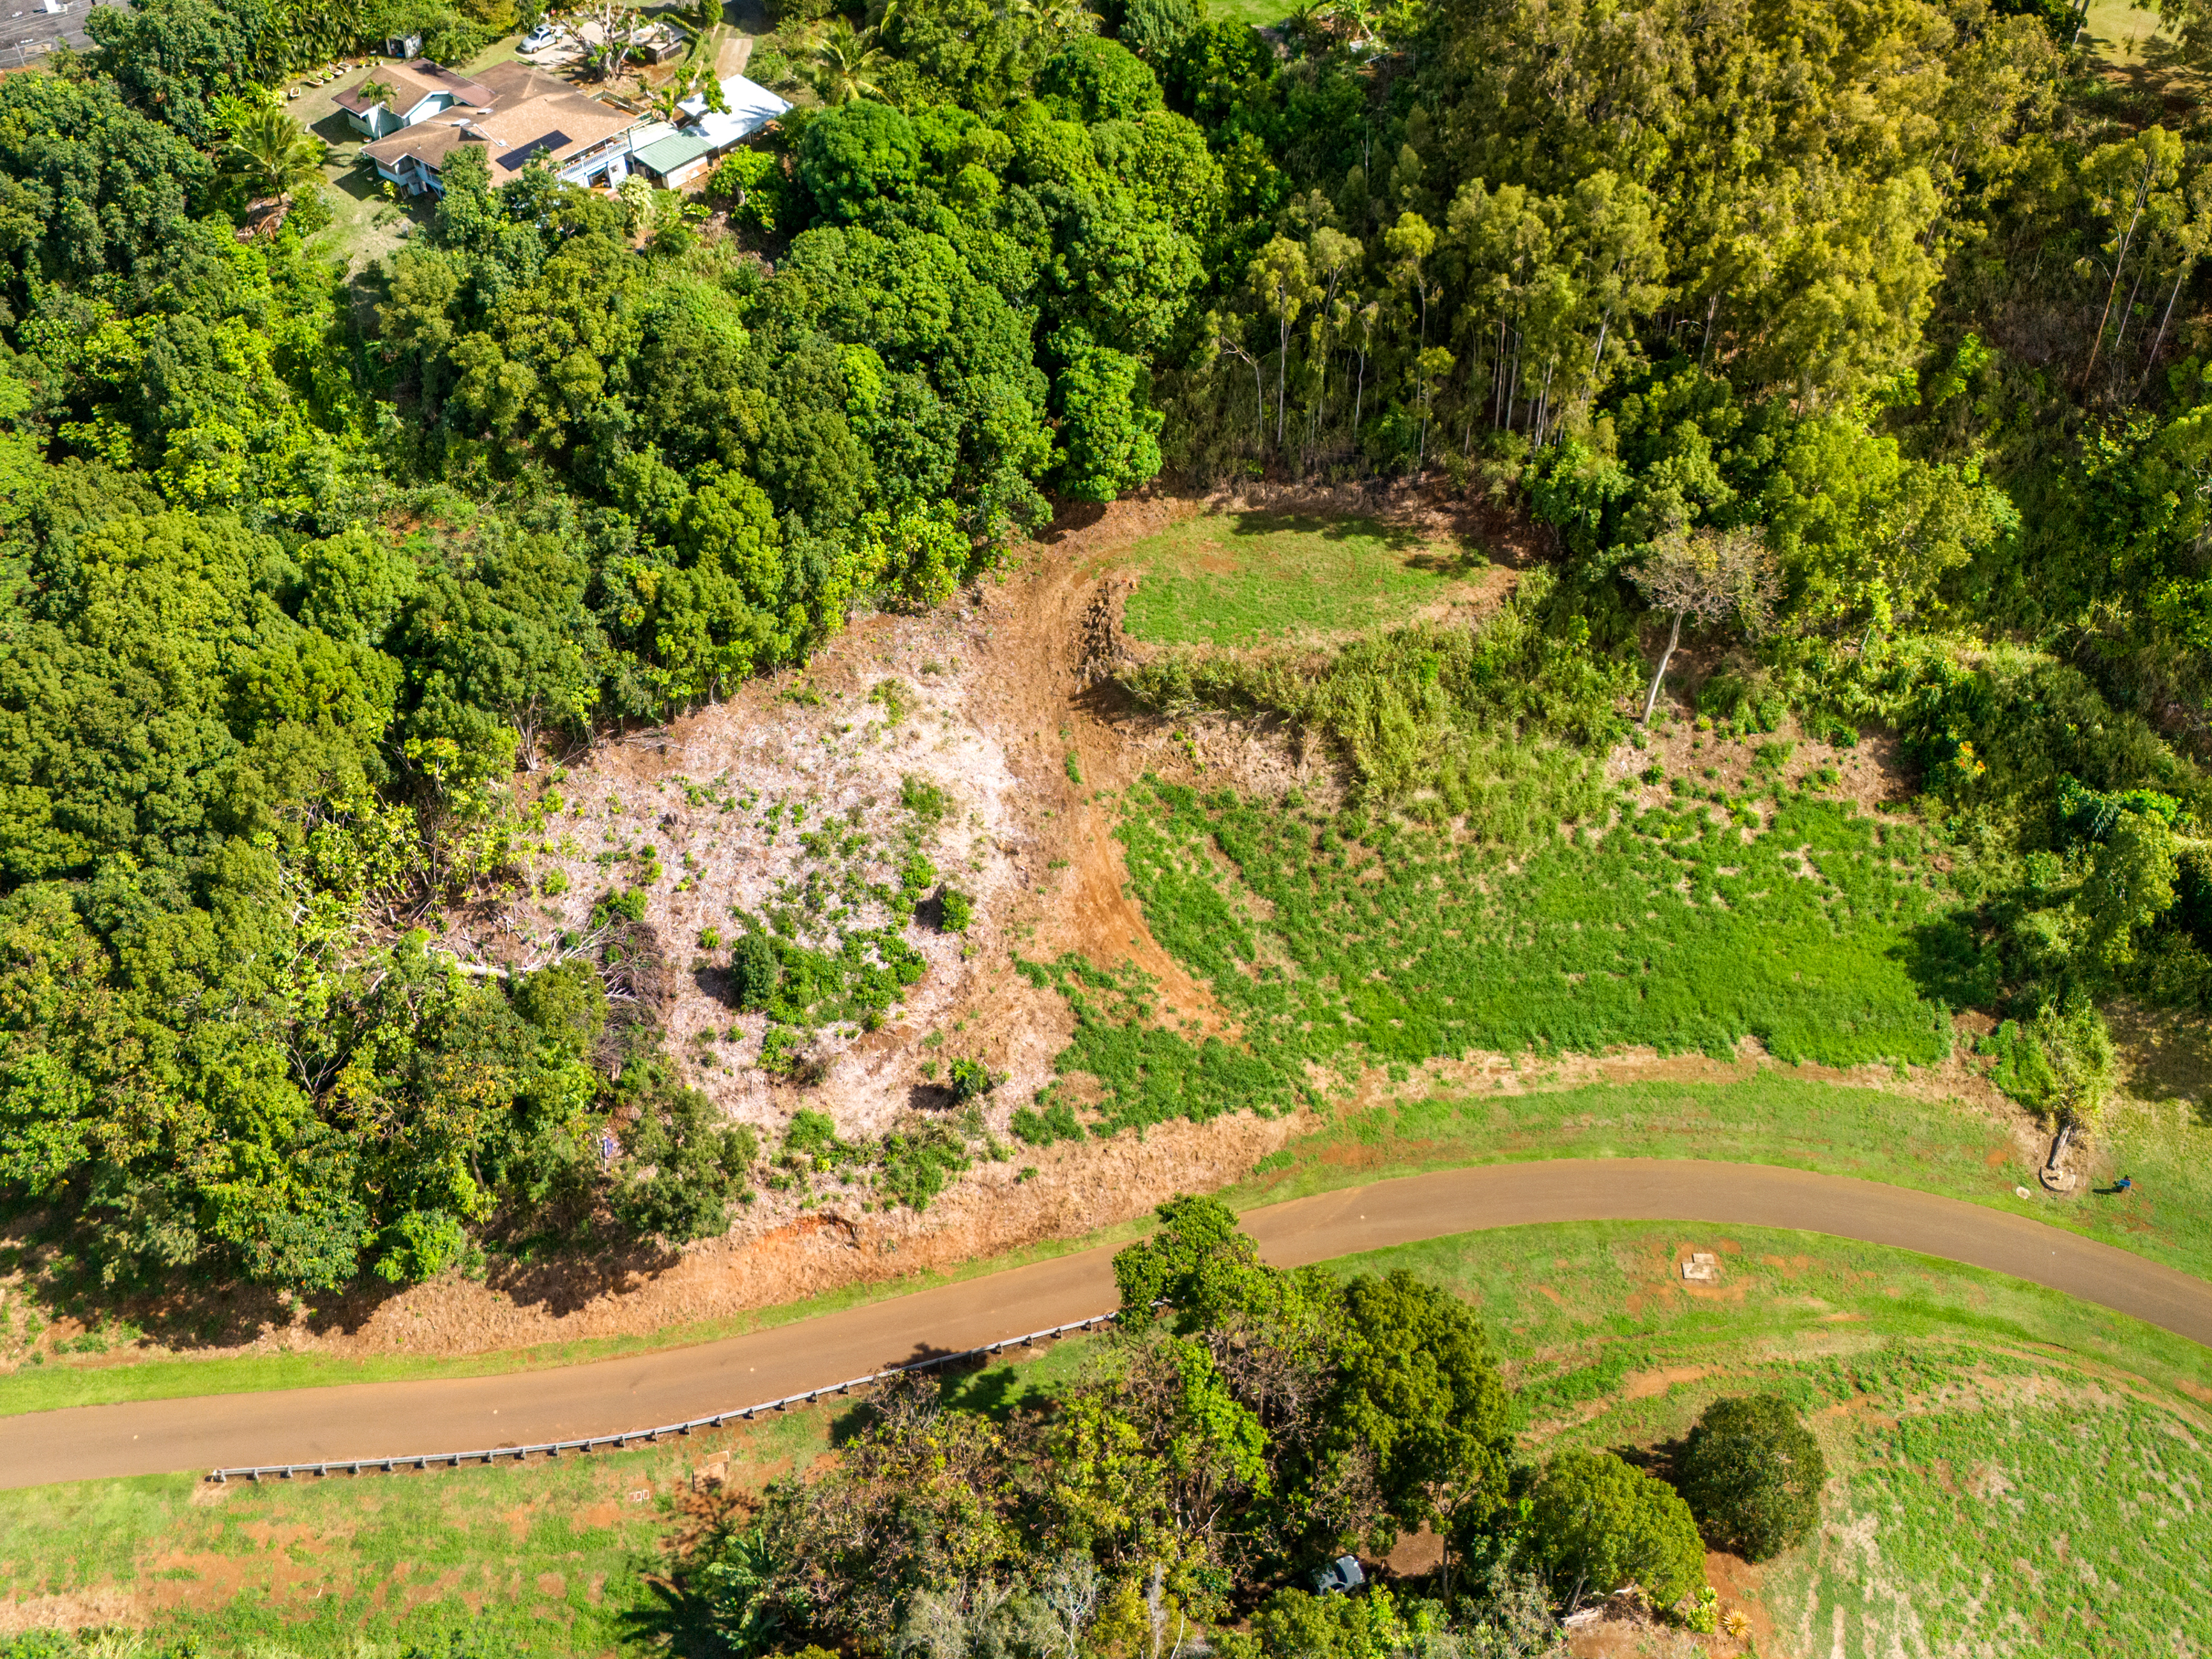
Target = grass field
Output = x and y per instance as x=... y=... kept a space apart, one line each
x=1235 y=579
x=1337 y=943
x=2009 y=1475
x=1912 y=1366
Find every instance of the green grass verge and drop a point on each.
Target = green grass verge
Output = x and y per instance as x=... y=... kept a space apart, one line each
x=1774 y=1117
x=103 y=1382
x=2003 y=1482
x=546 y=1560
x=1233 y=579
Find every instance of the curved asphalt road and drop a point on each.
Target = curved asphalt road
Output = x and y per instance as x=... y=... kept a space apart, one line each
x=391 y=1418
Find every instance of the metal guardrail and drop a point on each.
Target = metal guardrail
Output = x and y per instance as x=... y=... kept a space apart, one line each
x=553 y=1449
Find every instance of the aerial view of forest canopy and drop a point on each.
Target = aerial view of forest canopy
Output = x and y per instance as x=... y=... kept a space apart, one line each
x=1490 y=540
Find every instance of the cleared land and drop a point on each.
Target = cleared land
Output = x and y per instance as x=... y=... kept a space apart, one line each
x=1198 y=934
x=1237 y=579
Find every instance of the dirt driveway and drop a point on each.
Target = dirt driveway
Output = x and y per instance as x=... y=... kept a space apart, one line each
x=390 y=1419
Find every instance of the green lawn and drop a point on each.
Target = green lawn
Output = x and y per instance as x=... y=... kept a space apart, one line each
x=2121 y=30
x=2008 y=1474
x=1253 y=14
x=1236 y=579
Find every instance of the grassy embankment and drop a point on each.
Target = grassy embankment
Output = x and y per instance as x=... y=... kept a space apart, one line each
x=1967 y=1419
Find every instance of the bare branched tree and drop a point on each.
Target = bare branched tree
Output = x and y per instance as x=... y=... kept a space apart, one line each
x=1710 y=574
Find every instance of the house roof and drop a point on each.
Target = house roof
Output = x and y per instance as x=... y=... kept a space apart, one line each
x=665 y=155
x=531 y=114
x=752 y=106
x=410 y=84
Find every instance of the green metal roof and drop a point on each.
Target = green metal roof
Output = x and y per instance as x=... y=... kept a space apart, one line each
x=665 y=155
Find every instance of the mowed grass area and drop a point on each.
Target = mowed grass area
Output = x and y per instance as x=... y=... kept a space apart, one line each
x=2012 y=1473
x=1252 y=13
x=1908 y=1364
x=1237 y=578
x=2123 y=30
x=547 y=1559
x=550 y=1560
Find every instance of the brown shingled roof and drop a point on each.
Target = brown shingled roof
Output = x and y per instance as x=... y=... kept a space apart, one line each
x=412 y=83
x=534 y=115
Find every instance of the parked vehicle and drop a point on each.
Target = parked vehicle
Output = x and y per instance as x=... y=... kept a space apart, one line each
x=1339 y=1576
x=539 y=38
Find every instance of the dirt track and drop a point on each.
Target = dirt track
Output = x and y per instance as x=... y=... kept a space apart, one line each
x=391 y=1418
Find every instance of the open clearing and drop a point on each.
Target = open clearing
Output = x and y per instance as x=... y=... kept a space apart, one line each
x=1177 y=929
x=1988 y=1493
x=1236 y=579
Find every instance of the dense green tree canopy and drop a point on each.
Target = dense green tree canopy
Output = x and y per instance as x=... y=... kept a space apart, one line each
x=1751 y=1473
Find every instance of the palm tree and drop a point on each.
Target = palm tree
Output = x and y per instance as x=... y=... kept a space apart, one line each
x=845 y=64
x=273 y=155
x=1353 y=16
x=373 y=91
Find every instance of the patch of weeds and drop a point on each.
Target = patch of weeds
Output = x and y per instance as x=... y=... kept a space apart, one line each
x=956 y=911
x=1390 y=942
x=866 y=975
x=810 y=1146
x=890 y=696
x=783 y=1051
x=627 y=904
x=1768 y=760
x=1074 y=767
x=923 y=799
x=920 y=1160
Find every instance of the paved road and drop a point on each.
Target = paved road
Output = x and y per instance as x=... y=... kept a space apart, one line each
x=28 y=31
x=390 y=1418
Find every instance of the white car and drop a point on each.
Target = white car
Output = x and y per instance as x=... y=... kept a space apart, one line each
x=539 y=38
